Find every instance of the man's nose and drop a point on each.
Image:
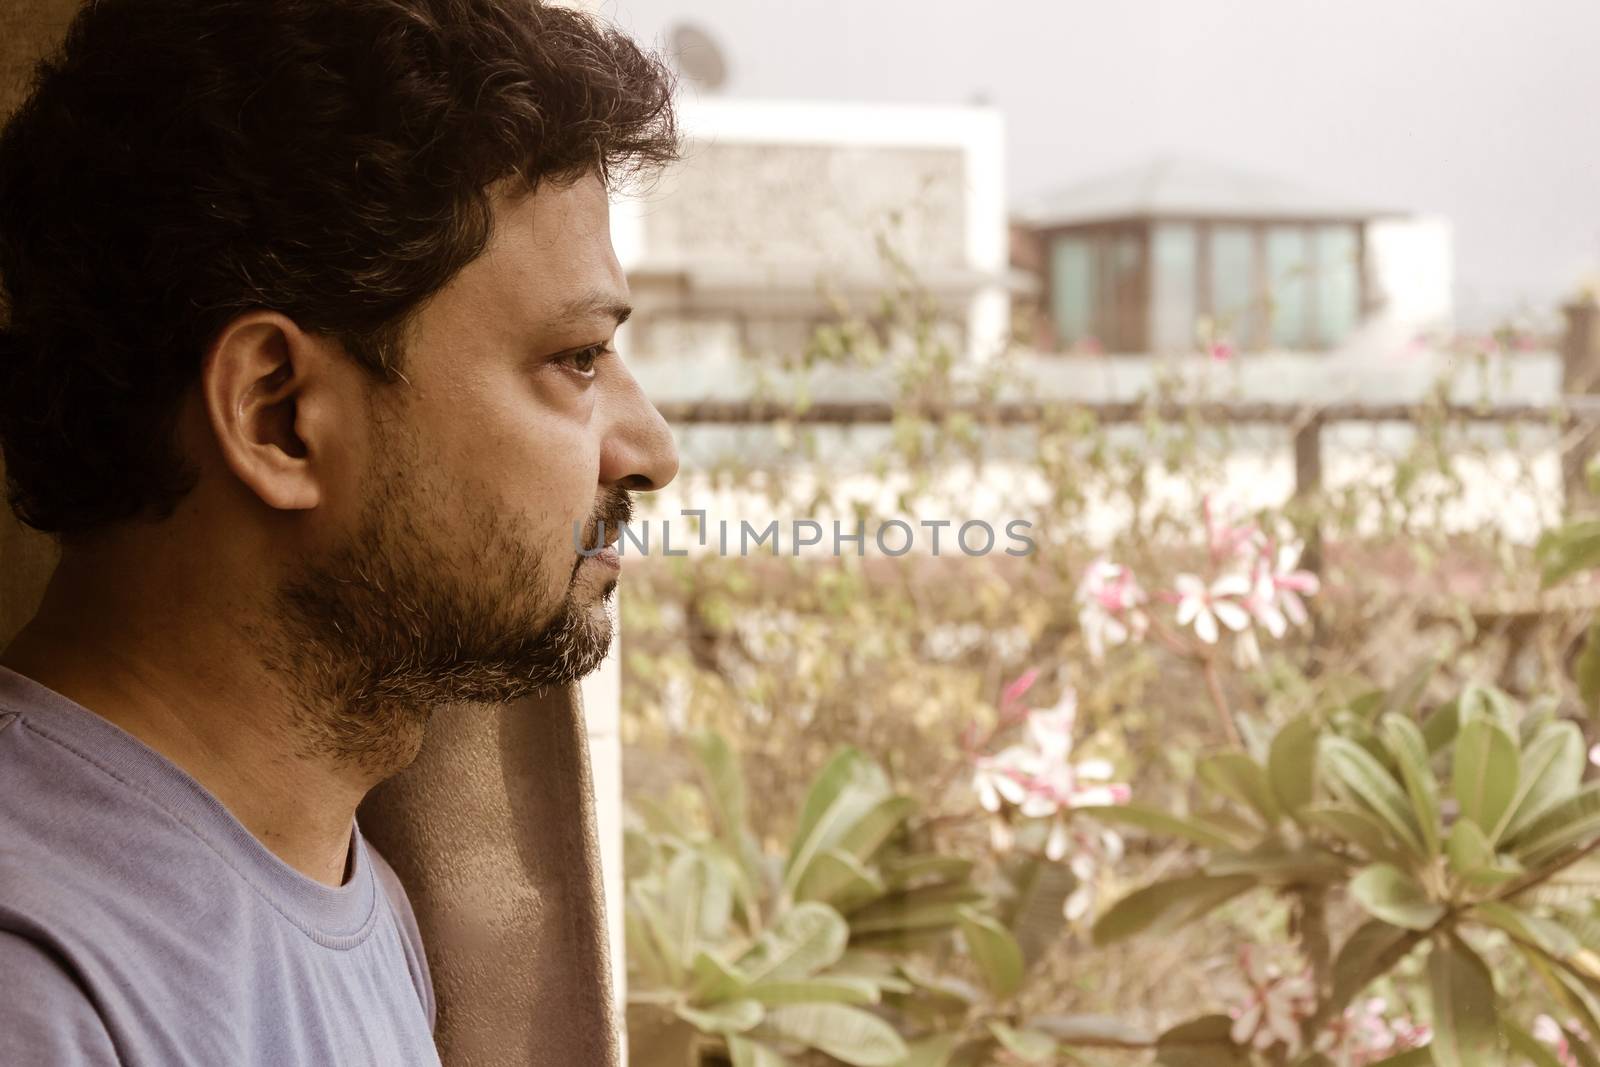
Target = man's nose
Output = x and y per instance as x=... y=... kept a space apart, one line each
x=638 y=453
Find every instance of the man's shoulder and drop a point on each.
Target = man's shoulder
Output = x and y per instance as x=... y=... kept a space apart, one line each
x=410 y=935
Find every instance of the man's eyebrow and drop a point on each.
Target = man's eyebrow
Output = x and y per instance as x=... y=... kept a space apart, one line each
x=587 y=308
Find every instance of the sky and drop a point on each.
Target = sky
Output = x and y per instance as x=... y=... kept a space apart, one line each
x=1484 y=111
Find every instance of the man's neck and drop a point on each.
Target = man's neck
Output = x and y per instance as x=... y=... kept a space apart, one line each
x=182 y=676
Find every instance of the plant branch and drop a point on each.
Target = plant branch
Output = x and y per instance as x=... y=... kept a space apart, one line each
x=1208 y=669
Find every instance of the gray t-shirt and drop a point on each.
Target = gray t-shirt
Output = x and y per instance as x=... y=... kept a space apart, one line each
x=141 y=924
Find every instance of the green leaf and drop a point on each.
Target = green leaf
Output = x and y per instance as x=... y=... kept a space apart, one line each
x=836 y=877
x=1546 y=934
x=906 y=872
x=746 y=1053
x=823 y=989
x=644 y=954
x=1273 y=863
x=728 y=1017
x=1292 y=763
x=1408 y=693
x=1573 y=821
x=1565 y=551
x=1167 y=905
x=1465 y=1031
x=1415 y=1057
x=934 y=1051
x=1367 y=954
x=1550 y=772
x=1203 y=1042
x=1410 y=751
x=1392 y=895
x=1366 y=780
x=994 y=950
x=845 y=1033
x=947 y=994
x=1480 y=701
x=1485 y=778
x=639 y=853
x=1029 y=1046
x=699 y=900
x=1156 y=821
x=1586 y=671
x=1443 y=726
x=715 y=979
x=1240 y=778
x=1358 y=827
x=1103 y=1030
x=1570 y=991
x=724 y=785
x=1468 y=848
x=806 y=939
x=873 y=829
x=1035 y=912
x=847 y=770
x=915 y=909
x=1530 y=1048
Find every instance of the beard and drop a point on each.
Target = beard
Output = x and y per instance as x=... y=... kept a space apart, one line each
x=396 y=620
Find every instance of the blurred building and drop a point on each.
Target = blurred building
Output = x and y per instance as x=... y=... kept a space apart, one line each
x=780 y=210
x=1176 y=255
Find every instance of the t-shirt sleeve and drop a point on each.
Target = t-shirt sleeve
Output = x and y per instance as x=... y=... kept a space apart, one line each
x=45 y=1016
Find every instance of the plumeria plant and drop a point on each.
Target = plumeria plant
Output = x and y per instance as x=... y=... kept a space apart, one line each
x=1253 y=581
x=1418 y=931
x=1040 y=778
x=1461 y=833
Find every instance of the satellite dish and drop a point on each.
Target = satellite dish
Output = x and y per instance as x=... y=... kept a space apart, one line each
x=698 y=58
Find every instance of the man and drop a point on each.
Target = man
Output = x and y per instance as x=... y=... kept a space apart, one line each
x=308 y=365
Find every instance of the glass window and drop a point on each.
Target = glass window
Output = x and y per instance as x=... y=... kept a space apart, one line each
x=1072 y=289
x=1289 y=271
x=1173 y=300
x=1338 y=283
x=1122 y=308
x=1233 y=283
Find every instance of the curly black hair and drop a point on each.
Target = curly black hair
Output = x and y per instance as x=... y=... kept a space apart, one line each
x=181 y=162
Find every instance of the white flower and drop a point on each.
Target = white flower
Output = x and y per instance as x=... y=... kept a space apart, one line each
x=1262 y=603
x=1003 y=777
x=1205 y=607
x=1039 y=777
x=1291 y=583
x=1093 y=853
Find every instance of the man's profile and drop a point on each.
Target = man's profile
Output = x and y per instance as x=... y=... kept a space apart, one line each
x=307 y=362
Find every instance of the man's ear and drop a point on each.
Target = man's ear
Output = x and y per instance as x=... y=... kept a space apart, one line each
x=267 y=388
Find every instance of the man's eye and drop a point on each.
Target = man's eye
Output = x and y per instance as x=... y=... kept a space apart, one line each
x=584 y=359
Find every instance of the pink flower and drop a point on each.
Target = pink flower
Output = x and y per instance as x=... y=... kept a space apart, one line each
x=1274 y=1006
x=1011 y=699
x=1365 y=1034
x=1228 y=542
x=1222 y=350
x=1109 y=607
x=1547 y=1030
x=1092 y=853
x=1039 y=777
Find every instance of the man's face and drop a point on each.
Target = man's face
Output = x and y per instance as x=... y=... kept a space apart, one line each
x=453 y=575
